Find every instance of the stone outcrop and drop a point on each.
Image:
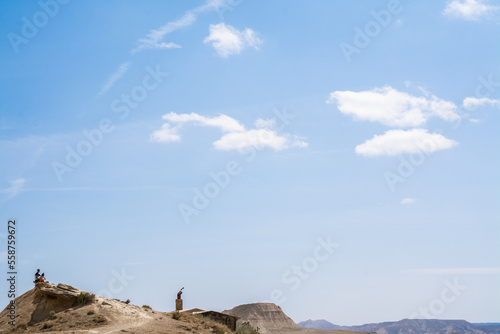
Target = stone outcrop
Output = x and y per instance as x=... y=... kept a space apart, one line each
x=268 y=317
x=59 y=290
x=49 y=297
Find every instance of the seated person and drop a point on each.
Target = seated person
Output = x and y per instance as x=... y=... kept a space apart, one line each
x=43 y=279
x=37 y=276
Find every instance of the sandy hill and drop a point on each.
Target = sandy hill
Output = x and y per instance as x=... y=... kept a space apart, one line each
x=50 y=308
x=270 y=318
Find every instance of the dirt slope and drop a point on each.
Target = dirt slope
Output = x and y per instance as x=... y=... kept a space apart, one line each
x=50 y=308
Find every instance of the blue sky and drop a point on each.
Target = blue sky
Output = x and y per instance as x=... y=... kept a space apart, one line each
x=339 y=159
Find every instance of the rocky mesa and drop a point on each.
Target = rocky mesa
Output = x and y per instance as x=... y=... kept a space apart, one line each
x=269 y=318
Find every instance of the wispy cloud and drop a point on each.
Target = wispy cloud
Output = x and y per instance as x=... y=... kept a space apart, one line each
x=113 y=78
x=215 y=5
x=391 y=107
x=167 y=134
x=154 y=39
x=258 y=138
x=408 y=200
x=474 y=102
x=227 y=40
x=90 y=188
x=223 y=122
x=15 y=188
x=396 y=142
x=455 y=271
x=470 y=10
x=236 y=136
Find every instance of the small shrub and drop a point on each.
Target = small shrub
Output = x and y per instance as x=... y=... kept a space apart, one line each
x=47 y=325
x=216 y=326
x=176 y=315
x=218 y=330
x=21 y=326
x=146 y=306
x=85 y=297
x=246 y=329
x=127 y=301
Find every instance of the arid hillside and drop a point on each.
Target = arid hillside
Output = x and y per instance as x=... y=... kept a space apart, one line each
x=50 y=308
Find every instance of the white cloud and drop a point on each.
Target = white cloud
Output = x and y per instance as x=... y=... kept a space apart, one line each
x=455 y=271
x=470 y=10
x=258 y=138
x=223 y=122
x=153 y=39
x=391 y=107
x=408 y=200
x=227 y=40
x=473 y=102
x=236 y=137
x=15 y=188
x=396 y=142
x=298 y=142
x=166 y=134
x=215 y=5
x=122 y=69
